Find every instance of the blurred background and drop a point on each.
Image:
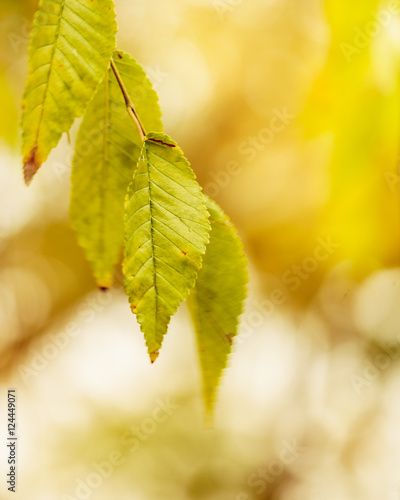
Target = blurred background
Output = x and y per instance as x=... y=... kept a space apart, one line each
x=290 y=114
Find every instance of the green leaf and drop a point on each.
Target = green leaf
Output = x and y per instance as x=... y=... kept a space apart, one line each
x=70 y=49
x=216 y=302
x=107 y=150
x=166 y=233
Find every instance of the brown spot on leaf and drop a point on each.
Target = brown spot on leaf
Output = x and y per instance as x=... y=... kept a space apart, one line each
x=103 y=288
x=184 y=253
x=119 y=56
x=229 y=338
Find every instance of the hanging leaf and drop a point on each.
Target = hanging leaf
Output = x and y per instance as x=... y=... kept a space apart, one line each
x=216 y=301
x=166 y=233
x=107 y=151
x=70 y=49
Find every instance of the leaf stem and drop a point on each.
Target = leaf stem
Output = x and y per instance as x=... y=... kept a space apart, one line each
x=129 y=104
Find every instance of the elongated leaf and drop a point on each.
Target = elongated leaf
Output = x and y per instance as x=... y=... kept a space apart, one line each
x=71 y=45
x=107 y=150
x=166 y=233
x=216 y=301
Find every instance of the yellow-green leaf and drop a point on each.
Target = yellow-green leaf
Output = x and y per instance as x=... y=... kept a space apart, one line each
x=216 y=301
x=166 y=233
x=70 y=48
x=107 y=151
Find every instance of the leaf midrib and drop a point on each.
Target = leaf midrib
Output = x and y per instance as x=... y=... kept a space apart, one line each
x=152 y=242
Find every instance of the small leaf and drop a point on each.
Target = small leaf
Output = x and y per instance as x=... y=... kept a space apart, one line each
x=107 y=150
x=166 y=233
x=70 y=49
x=216 y=301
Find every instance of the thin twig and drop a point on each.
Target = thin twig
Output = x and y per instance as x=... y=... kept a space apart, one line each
x=129 y=104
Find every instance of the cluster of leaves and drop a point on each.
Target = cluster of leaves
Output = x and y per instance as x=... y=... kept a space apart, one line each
x=131 y=189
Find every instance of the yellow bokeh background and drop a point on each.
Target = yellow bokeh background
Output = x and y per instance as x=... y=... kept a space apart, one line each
x=289 y=112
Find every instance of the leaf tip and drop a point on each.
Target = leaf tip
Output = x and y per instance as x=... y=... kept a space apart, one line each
x=31 y=166
x=154 y=355
x=208 y=422
x=104 y=283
